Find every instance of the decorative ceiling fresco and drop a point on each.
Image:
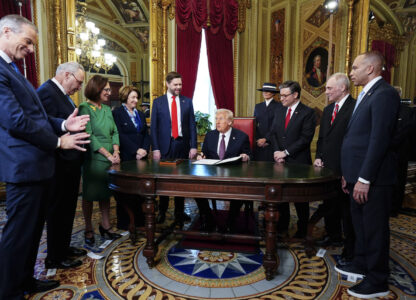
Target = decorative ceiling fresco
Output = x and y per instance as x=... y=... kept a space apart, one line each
x=125 y=16
x=405 y=10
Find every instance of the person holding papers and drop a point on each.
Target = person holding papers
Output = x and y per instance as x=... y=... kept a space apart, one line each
x=221 y=143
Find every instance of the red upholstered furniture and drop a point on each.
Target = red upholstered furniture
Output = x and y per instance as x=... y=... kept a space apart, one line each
x=247 y=125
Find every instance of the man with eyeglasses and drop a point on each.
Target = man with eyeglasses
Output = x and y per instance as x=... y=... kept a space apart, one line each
x=28 y=140
x=293 y=130
x=54 y=95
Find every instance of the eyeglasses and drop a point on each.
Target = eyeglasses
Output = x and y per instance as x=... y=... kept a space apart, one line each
x=78 y=81
x=108 y=90
x=284 y=96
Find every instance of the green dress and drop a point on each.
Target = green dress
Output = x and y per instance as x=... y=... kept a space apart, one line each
x=103 y=133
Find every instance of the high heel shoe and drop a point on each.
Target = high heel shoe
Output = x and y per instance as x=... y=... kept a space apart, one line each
x=105 y=233
x=89 y=237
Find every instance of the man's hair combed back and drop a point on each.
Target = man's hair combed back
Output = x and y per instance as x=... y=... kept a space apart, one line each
x=227 y=112
x=171 y=76
x=292 y=85
x=125 y=91
x=15 y=23
x=71 y=67
x=94 y=87
x=341 y=79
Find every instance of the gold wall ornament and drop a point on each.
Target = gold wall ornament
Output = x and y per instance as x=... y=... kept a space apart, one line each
x=359 y=43
x=158 y=47
x=242 y=6
x=349 y=36
x=35 y=21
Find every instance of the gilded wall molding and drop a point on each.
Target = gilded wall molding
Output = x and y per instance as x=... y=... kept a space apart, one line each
x=243 y=5
x=35 y=21
x=359 y=42
x=158 y=46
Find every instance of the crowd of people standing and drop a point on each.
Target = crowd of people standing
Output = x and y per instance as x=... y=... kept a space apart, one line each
x=47 y=144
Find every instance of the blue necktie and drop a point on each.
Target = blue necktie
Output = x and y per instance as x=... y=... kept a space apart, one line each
x=70 y=101
x=360 y=97
x=15 y=67
x=138 y=121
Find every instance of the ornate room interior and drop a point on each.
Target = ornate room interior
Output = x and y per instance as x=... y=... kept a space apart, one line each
x=271 y=41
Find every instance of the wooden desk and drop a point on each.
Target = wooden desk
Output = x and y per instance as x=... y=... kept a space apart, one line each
x=267 y=182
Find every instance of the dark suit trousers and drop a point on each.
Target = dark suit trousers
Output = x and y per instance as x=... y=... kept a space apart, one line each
x=26 y=212
x=177 y=149
x=61 y=210
x=372 y=232
x=302 y=210
x=263 y=153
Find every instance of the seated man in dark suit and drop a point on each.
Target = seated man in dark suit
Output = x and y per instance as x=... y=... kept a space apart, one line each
x=223 y=142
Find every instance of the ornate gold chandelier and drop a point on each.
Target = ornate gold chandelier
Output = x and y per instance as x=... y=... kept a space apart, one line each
x=89 y=45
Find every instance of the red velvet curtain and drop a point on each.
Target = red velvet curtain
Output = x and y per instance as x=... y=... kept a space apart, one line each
x=389 y=53
x=191 y=15
x=8 y=7
x=222 y=14
x=223 y=22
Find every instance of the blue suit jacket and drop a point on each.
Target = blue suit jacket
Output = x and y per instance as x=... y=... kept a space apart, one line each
x=27 y=137
x=161 y=125
x=130 y=139
x=239 y=143
x=366 y=150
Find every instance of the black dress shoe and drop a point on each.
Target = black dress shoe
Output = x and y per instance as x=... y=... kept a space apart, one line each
x=365 y=290
x=76 y=252
x=105 y=233
x=39 y=286
x=89 y=237
x=63 y=264
x=343 y=261
x=160 y=219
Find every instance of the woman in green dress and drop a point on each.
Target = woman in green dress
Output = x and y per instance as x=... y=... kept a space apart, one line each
x=103 y=151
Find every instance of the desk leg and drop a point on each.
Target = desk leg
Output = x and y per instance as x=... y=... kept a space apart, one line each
x=270 y=259
x=150 y=249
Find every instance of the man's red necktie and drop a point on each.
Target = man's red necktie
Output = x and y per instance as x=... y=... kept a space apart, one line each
x=334 y=114
x=174 y=118
x=287 y=117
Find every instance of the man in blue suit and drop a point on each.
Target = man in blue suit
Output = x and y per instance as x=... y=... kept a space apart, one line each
x=221 y=143
x=173 y=134
x=54 y=94
x=27 y=145
x=368 y=167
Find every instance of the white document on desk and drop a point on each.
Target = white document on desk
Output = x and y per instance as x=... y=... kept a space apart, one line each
x=212 y=162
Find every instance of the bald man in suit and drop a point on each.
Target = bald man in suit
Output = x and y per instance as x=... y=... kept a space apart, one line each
x=368 y=166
